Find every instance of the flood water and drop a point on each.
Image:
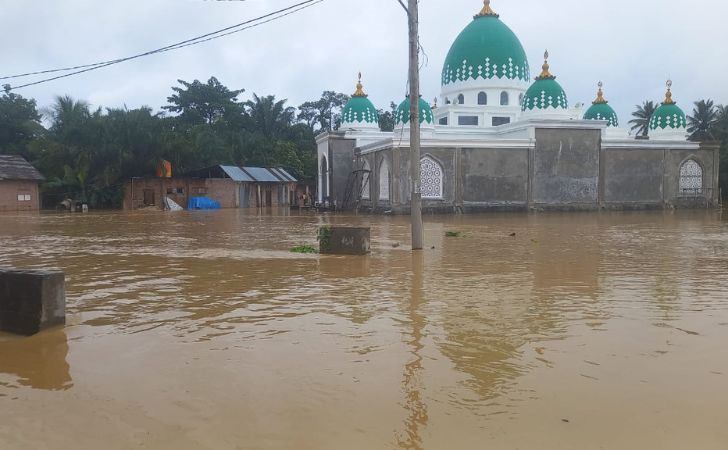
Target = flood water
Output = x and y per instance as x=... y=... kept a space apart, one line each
x=202 y=331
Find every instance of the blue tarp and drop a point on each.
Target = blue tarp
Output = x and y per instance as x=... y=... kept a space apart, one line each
x=202 y=203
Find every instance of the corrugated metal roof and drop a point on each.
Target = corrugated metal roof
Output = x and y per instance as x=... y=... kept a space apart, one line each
x=288 y=175
x=237 y=174
x=262 y=175
x=278 y=174
x=16 y=168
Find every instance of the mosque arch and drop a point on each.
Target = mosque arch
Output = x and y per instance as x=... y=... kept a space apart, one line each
x=432 y=178
x=366 y=187
x=384 y=180
x=324 y=179
x=691 y=178
x=482 y=98
x=461 y=99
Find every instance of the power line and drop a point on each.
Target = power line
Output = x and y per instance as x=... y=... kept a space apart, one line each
x=252 y=23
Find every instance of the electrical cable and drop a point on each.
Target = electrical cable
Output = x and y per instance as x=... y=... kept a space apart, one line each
x=270 y=17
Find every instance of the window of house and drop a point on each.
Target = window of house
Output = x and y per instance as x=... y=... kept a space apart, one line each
x=431 y=175
x=501 y=121
x=23 y=197
x=468 y=120
x=175 y=191
x=482 y=98
x=443 y=121
x=504 y=100
x=691 y=178
x=202 y=191
x=461 y=99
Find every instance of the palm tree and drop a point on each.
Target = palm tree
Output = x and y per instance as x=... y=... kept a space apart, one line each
x=720 y=128
x=268 y=116
x=642 y=115
x=702 y=122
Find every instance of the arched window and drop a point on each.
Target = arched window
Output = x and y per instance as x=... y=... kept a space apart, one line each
x=365 y=194
x=431 y=175
x=691 y=178
x=447 y=101
x=482 y=98
x=504 y=98
x=520 y=100
x=461 y=99
x=384 y=180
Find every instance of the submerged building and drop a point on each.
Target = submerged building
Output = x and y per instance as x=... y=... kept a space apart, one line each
x=18 y=185
x=501 y=141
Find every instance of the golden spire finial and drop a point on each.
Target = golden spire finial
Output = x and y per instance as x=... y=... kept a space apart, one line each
x=668 y=94
x=600 y=95
x=545 y=72
x=359 y=89
x=487 y=10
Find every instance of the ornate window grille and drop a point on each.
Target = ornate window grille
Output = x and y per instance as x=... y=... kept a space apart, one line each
x=691 y=179
x=431 y=175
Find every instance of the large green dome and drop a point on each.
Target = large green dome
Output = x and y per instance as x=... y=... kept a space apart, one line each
x=359 y=110
x=600 y=110
x=402 y=116
x=485 y=49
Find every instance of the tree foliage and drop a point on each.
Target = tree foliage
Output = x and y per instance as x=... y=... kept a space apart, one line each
x=642 y=116
x=88 y=154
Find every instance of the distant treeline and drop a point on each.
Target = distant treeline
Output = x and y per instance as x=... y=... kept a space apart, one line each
x=87 y=154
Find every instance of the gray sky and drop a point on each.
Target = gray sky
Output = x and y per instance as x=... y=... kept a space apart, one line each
x=632 y=45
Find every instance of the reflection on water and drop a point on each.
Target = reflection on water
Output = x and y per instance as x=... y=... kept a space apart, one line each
x=522 y=317
x=38 y=361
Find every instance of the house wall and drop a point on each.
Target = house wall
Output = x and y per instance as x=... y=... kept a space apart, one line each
x=9 y=191
x=229 y=193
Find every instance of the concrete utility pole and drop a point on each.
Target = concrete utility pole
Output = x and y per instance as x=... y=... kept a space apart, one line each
x=414 y=82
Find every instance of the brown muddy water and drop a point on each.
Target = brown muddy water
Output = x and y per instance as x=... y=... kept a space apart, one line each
x=202 y=331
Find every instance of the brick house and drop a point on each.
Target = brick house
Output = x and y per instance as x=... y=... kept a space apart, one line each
x=18 y=185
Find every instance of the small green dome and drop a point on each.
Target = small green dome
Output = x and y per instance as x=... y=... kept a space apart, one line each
x=668 y=116
x=485 y=49
x=600 y=110
x=360 y=110
x=402 y=116
x=545 y=92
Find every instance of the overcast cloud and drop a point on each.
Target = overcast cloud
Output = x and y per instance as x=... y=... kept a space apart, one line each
x=633 y=46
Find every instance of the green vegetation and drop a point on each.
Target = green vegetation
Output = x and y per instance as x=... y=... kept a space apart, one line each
x=642 y=116
x=453 y=234
x=88 y=154
x=305 y=249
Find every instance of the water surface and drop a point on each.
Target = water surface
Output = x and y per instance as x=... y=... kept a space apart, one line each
x=202 y=331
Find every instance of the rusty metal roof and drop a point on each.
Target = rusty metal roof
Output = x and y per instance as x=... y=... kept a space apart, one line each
x=17 y=168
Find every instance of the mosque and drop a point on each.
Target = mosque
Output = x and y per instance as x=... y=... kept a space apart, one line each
x=496 y=139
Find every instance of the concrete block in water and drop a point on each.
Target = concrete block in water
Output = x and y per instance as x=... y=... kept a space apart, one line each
x=31 y=300
x=344 y=240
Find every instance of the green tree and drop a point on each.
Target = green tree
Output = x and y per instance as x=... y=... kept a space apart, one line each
x=702 y=121
x=19 y=124
x=206 y=103
x=642 y=116
x=268 y=116
x=323 y=114
x=386 y=118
